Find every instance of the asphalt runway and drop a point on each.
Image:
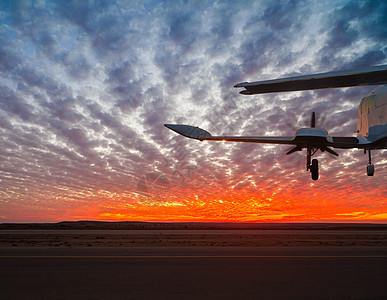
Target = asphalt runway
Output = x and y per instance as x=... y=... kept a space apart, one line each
x=193 y=273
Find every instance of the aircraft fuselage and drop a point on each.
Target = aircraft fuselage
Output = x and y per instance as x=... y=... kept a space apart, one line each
x=372 y=116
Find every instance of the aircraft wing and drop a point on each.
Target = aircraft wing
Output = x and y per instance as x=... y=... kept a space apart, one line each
x=202 y=135
x=369 y=76
x=307 y=137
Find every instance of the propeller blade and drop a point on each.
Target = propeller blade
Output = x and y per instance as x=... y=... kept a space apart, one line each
x=329 y=150
x=297 y=148
x=313 y=125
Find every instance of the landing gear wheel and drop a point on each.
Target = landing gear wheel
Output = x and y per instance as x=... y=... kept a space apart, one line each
x=370 y=170
x=370 y=167
x=314 y=169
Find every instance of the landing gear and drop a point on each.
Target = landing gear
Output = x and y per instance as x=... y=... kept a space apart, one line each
x=312 y=167
x=370 y=166
x=370 y=170
x=313 y=139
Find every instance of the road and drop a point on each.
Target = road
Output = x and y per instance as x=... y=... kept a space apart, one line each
x=194 y=273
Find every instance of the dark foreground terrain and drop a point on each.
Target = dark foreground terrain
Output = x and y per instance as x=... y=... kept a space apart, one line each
x=190 y=238
x=130 y=225
x=139 y=234
x=98 y=260
x=194 y=273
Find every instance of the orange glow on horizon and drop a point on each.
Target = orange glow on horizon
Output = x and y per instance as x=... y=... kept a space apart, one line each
x=289 y=202
x=226 y=206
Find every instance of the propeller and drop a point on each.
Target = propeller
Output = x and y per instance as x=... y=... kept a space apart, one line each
x=329 y=150
x=297 y=148
x=324 y=148
x=313 y=123
x=303 y=120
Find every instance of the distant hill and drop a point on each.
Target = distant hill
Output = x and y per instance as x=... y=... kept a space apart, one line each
x=133 y=225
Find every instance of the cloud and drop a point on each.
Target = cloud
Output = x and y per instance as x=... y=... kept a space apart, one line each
x=12 y=103
x=9 y=58
x=85 y=88
x=351 y=27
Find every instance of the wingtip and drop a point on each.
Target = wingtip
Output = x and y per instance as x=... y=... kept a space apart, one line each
x=174 y=127
x=246 y=92
x=241 y=84
x=189 y=131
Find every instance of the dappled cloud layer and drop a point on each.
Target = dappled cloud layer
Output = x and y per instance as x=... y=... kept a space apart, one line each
x=85 y=88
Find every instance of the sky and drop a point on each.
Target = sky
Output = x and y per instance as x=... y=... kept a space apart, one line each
x=86 y=86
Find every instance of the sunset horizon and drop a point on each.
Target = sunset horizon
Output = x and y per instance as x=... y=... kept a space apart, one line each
x=86 y=88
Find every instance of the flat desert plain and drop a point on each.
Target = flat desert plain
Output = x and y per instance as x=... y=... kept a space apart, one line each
x=102 y=234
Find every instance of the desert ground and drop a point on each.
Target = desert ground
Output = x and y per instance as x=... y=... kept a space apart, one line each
x=101 y=234
x=94 y=260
